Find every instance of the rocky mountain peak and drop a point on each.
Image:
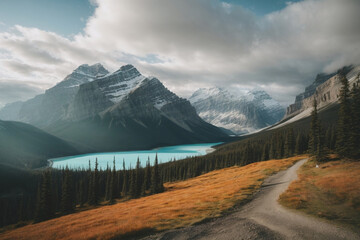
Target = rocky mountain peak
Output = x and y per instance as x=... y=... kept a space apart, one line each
x=91 y=70
x=82 y=74
x=205 y=93
x=126 y=72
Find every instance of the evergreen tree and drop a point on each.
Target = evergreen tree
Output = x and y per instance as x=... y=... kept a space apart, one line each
x=320 y=153
x=328 y=137
x=314 y=130
x=355 y=122
x=81 y=193
x=45 y=210
x=289 y=143
x=112 y=184
x=298 y=148
x=315 y=135
x=138 y=179
x=343 y=145
x=67 y=200
x=94 y=191
x=90 y=183
x=156 y=185
x=132 y=189
x=108 y=185
x=333 y=138
x=125 y=181
x=147 y=179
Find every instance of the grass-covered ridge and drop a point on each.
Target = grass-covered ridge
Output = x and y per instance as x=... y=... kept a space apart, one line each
x=183 y=203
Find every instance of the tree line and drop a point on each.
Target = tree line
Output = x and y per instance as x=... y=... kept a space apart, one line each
x=61 y=192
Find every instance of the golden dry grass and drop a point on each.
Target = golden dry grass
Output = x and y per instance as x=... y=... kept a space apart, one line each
x=183 y=203
x=331 y=191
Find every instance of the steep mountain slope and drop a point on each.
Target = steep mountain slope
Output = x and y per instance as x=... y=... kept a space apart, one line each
x=326 y=94
x=25 y=146
x=98 y=95
x=325 y=87
x=51 y=106
x=240 y=111
x=126 y=110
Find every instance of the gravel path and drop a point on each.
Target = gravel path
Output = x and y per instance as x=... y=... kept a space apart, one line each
x=263 y=218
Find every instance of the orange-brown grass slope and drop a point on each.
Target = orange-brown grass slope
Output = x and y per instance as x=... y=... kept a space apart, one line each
x=182 y=204
x=331 y=191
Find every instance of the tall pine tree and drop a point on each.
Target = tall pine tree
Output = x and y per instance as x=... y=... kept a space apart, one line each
x=113 y=187
x=94 y=191
x=147 y=178
x=156 y=184
x=67 y=196
x=343 y=144
x=125 y=181
x=315 y=135
x=355 y=122
x=45 y=207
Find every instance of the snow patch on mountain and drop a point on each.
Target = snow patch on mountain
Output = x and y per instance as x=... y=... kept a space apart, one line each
x=240 y=110
x=124 y=87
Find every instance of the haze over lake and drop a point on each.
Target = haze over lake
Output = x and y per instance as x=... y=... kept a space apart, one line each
x=165 y=154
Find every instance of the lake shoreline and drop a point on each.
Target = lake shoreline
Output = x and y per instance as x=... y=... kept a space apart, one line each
x=165 y=154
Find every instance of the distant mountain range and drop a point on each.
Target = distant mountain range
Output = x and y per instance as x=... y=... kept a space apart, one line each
x=241 y=111
x=101 y=111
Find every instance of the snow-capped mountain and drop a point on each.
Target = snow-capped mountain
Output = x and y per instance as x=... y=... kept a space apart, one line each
x=47 y=108
x=134 y=111
x=104 y=92
x=238 y=110
x=123 y=110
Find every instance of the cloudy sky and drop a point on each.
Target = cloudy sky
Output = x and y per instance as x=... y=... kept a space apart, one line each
x=277 y=45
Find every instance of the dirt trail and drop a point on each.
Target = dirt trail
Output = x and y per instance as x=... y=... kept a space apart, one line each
x=264 y=218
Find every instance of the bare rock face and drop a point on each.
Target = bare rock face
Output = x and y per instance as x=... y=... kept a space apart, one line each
x=98 y=95
x=326 y=91
x=240 y=111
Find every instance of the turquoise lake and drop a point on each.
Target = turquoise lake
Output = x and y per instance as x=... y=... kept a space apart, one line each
x=165 y=154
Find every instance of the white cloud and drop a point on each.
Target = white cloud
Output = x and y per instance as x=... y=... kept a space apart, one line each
x=12 y=91
x=196 y=43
